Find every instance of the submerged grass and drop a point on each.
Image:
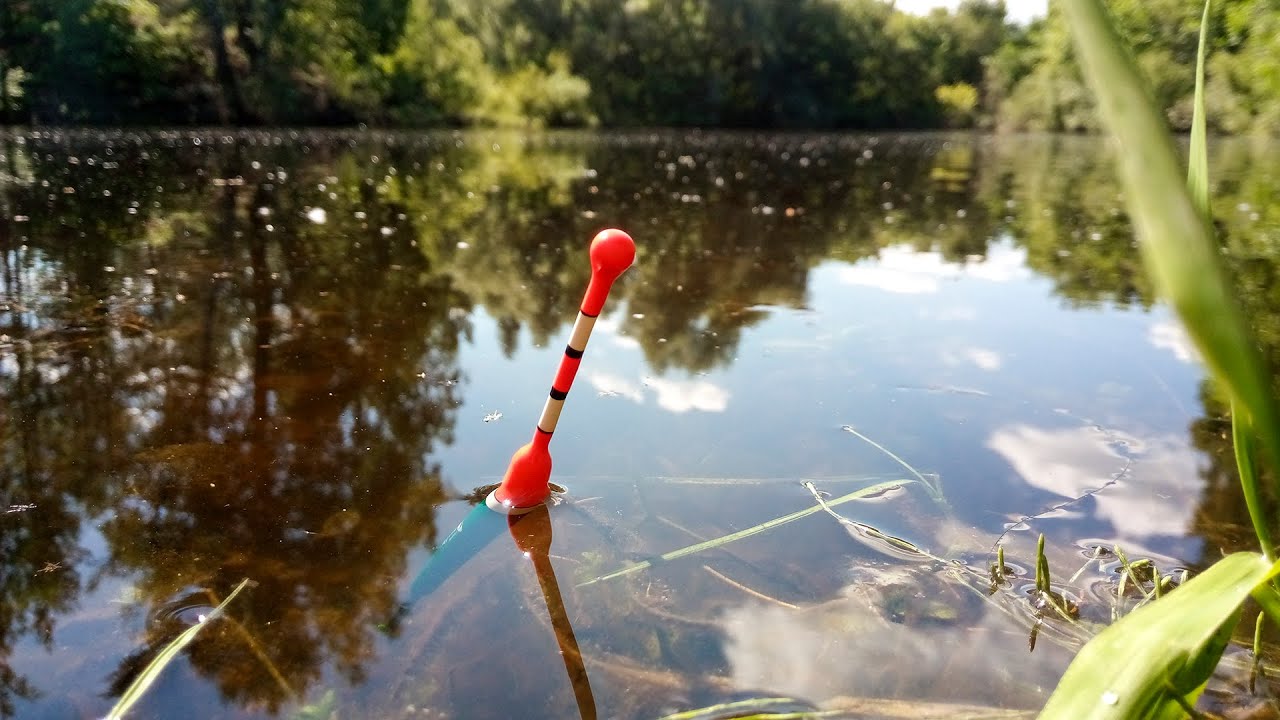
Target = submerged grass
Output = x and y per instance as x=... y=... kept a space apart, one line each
x=931 y=485
x=869 y=491
x=148 y=676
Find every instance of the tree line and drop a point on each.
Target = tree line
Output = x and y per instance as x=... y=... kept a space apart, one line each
x=711 y=63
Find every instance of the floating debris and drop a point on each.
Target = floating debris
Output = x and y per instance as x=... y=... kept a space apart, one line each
x=493 y=416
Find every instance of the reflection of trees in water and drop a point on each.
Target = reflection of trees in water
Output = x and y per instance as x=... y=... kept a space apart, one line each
x=260 y=404
x=739 y=222
x=298 y=460
x=64 y=427
x=1064 y=207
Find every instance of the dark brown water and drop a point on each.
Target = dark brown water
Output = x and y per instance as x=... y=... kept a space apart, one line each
x=288 y=357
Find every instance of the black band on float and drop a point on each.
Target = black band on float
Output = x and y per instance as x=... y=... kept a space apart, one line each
x=559 y=394
x=569 y=352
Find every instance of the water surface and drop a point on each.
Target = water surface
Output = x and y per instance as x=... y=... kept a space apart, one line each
x=289 y=356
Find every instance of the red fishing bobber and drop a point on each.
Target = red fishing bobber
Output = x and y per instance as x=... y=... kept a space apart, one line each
x=527 y=483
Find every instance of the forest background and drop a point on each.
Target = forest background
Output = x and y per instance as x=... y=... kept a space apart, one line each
x=787 y=64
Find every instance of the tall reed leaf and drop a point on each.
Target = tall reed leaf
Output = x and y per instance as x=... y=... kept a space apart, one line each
x=1198 y=184
x=1198 y=157
x=1154 y=662
x=1176 y=239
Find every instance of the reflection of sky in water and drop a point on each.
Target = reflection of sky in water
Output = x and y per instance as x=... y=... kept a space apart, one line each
x=845 y=648
x=907 y=271
x=1156 y=480
x=974 y=371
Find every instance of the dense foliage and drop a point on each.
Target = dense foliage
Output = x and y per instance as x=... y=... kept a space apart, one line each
x=724 y=63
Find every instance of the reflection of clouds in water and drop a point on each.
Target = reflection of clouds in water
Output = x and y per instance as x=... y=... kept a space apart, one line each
x=983 y=358
x=683 y=395
x=957 y=313
x=677 y=396
x=1170 y=335
x=616 y=386
x=612 y=329
x=900 y=269
x=1156 y=497
x=845 y=647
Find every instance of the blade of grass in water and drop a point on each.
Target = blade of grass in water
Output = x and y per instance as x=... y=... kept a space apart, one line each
x=934 y=488
x=140 y=684
x=1176 y=238
x=755 y=707
x=865 y=492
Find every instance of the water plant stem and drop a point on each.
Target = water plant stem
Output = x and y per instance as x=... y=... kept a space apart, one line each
x=871 y=490
x=143 y=682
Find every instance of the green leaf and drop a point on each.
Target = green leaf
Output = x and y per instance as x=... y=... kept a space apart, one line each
x=1198 y=184
x=1198 y=158
x=1176 y=238
x=1160 y=655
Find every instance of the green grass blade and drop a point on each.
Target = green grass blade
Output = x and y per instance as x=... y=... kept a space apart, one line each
x=1198 y=184
x=1043 y=583
x=1268 y=599
x=1198 y=158
x=753 y=530
x=1158 y=657
x=140 y=684
x=1177 y=243
x=1243 y=445
x=765 y=708
x=1255 y=668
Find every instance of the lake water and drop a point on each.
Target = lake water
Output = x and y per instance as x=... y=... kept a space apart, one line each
x=289 y=357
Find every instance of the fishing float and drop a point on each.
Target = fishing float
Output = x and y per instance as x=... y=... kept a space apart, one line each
x=526 y=485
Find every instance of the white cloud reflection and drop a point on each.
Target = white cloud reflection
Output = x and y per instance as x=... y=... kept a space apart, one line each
x=610 y=328
x=616 y=386
x=899 y=269
x=677 y=396
x=1170 y=335
x=847 y=648
x=982 y=358
x=680 y=396
x=1156 y=496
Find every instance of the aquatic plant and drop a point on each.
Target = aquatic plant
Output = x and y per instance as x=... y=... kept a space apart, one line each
x=1172 y=646
x=143 y=682
x=863 y=493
